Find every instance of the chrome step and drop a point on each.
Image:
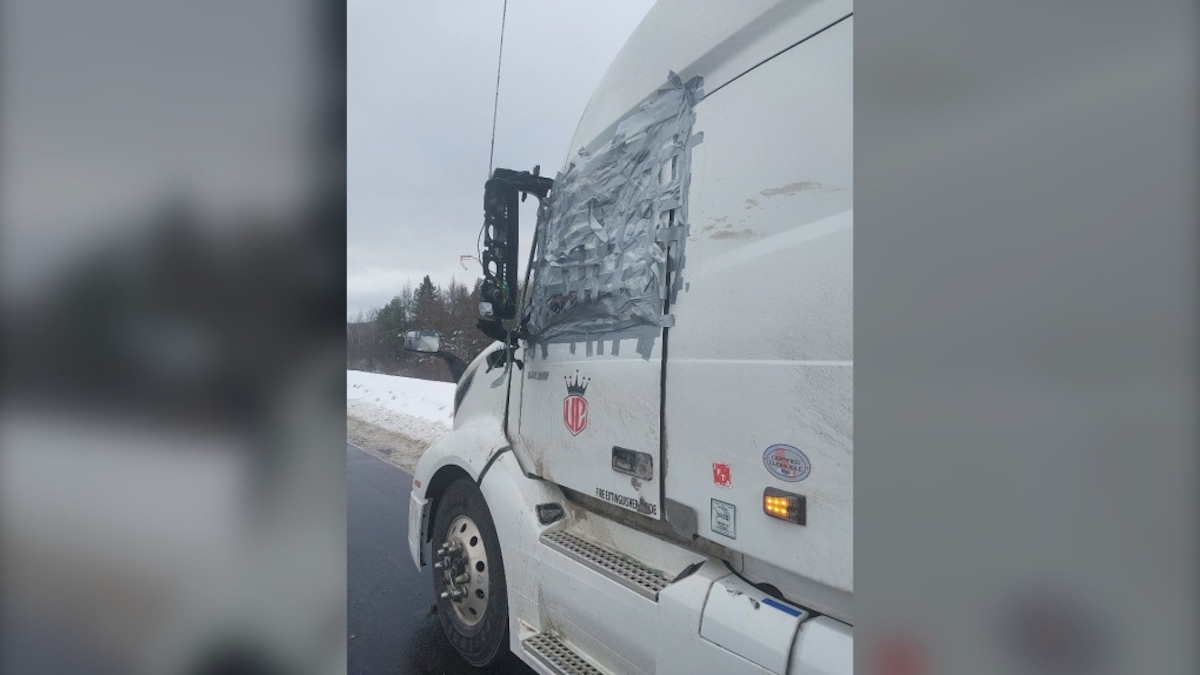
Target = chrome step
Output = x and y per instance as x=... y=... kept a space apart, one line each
x=557 y=655
x=620 y=568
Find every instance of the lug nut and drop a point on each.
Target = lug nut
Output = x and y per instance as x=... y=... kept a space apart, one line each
x=439 y=565
x=462 y=578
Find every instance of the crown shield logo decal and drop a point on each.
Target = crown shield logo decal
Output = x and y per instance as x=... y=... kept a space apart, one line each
x=575 y=405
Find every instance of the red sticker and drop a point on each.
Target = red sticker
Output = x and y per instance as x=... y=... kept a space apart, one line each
x=575 y=405
x=722 y=476
x=575 y=414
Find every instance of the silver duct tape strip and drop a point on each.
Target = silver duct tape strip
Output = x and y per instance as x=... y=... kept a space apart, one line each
x=610 y=223
x=669 y=234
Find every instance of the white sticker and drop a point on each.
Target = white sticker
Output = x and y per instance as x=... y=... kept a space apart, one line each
x=724 y=518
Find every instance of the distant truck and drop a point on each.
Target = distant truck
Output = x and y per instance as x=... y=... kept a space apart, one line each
x=651 y=469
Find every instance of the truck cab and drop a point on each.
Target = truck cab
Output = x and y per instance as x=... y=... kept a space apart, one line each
x=651 y=469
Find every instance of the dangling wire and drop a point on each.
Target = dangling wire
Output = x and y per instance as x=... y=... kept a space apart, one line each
x=496 y=105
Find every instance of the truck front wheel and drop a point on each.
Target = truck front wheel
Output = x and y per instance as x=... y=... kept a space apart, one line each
x=468 y=575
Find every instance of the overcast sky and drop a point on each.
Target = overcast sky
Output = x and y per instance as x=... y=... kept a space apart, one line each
x=421 y=82
x=108 y=110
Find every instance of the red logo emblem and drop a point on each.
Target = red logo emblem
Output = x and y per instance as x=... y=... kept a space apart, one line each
x=575 y=405
x=722 y=476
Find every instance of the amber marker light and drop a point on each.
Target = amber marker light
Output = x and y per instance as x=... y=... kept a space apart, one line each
x=784 y=505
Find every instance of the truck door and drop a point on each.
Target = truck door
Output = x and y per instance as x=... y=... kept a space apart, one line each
x=590 y=417
x=591 y=392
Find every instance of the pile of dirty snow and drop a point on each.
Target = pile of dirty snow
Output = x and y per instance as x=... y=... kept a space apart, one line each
x=416 y=413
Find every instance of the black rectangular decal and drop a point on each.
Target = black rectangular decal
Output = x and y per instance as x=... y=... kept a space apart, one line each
x=633 y=463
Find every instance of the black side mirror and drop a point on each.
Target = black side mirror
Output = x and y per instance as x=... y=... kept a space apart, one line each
x=429 y=342
x=424 y=341
x=498 y=301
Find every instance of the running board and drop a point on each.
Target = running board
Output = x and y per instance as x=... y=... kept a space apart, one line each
x=620 y=568
x=559 y=657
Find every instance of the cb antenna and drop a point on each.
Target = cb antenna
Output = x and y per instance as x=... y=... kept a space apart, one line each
x=496 y=104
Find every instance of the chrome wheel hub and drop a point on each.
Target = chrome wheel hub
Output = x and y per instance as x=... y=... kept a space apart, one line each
x=462 y=562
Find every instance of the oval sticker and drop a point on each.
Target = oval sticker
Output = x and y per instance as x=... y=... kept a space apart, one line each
x=786 y=463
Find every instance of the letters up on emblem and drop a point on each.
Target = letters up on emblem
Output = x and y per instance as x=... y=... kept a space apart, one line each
x=575 y=414
x=575 y=405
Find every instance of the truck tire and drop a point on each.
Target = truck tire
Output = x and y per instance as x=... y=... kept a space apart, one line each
x=468 y=575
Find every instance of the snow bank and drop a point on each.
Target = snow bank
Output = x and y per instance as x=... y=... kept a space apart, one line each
x=419 y=409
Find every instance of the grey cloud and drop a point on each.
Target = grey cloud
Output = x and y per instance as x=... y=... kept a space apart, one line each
x=421 y=81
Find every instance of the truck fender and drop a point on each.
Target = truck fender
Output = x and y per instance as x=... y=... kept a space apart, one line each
x=462 y=453
x=513 y=499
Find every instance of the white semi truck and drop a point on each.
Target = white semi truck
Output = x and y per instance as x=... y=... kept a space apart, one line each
x=651 y=469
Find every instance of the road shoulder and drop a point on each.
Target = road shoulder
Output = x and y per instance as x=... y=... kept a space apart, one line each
x=392 y=447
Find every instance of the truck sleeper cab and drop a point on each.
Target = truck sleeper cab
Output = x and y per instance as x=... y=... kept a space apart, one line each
x=651 y=470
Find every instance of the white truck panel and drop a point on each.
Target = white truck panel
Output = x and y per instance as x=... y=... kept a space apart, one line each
x=715 y=39
x=681 y=650
x=751 y=624
x=823 y=647
x=761 y=352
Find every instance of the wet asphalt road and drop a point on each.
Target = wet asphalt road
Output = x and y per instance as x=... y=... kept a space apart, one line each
x=389 y=621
